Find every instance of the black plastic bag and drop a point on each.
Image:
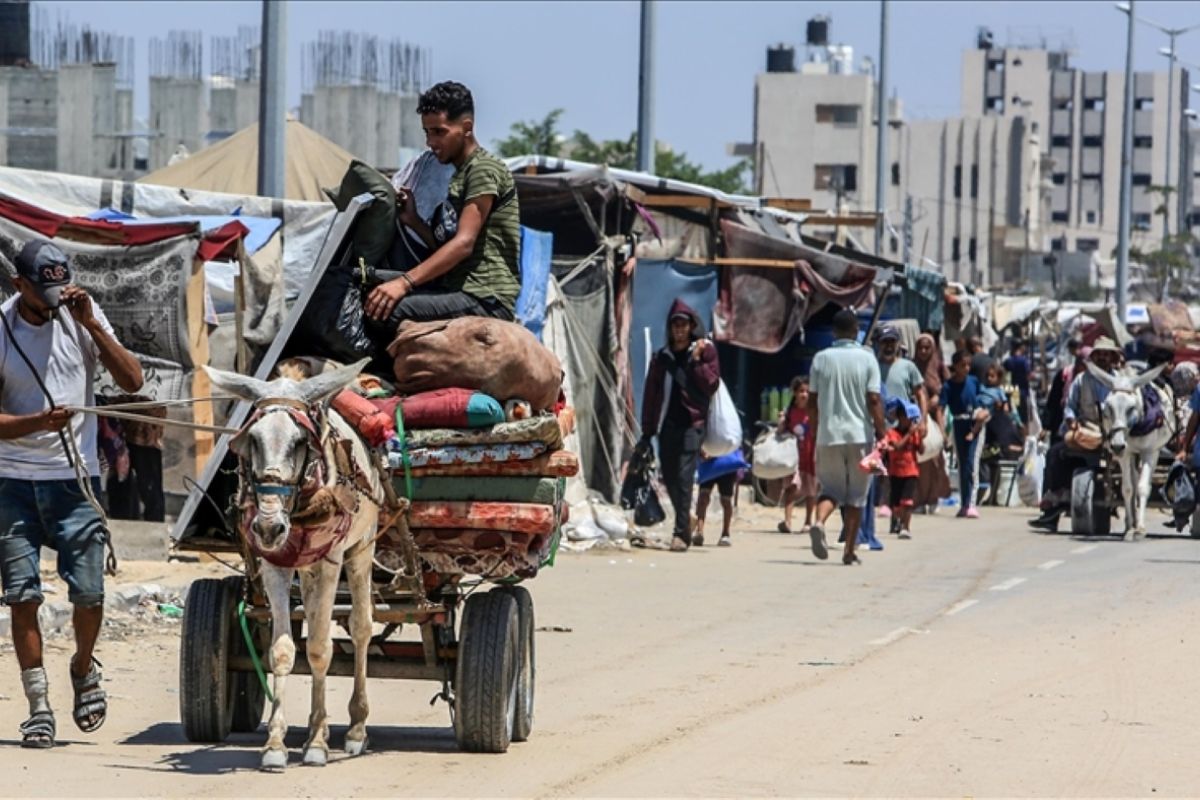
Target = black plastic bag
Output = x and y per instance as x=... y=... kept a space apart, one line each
x=333 y=325
x=1181 y=493
x=637 y=490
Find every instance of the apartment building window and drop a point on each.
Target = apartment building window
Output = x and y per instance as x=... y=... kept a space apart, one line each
x=1141 y=179
x=958 y=180
x=1143 y=141
x=837 y=114
x=971 y=249
x=835 y=177
x=1087 y=245
x=1093 y=141
x=1058 y=244
x=894 y=243
x=1091 y=217
x=954 y=252
x=1060 y=141
x=1093 y=104
x=974 y=180
x=1059 y=178
x=1143 y=104
x=1141 y=221
x=895 y=173
x=1060 y=216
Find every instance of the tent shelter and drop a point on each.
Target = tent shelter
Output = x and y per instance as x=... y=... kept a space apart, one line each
x=231 y=167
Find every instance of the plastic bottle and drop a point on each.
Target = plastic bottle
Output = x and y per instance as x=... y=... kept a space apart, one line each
x=764 y=405
x=785 y=399
x=774 y=403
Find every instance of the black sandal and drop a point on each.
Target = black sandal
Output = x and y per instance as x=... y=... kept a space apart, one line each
x=91 y=702
x=38 y=731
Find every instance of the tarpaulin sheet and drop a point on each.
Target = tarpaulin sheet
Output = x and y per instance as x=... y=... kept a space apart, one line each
x=1170 y=319
x=536 y=250
x=259 y=229
x=656 y=284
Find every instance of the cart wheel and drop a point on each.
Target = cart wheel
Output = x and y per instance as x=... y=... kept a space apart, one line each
x=523 y=724
x=487 y=673
x=205 y=699
x=249 y=697
x=1090 y=514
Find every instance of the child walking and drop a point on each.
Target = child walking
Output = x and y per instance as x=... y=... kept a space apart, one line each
x=804 y=482
x=903 y=448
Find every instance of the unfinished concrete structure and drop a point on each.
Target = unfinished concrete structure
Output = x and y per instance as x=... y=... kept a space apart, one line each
x=360 y=92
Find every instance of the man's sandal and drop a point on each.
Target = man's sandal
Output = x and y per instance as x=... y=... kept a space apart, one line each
x=91 y=702
x=38 y=731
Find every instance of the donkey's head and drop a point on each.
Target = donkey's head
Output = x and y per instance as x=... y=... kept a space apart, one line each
x=1123 y=408
x=279 y=446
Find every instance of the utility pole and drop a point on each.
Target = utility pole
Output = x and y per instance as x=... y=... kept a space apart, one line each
x=1126 y=176
x=908 y=229
x=645 y=128
x=272 y=99
x=881 y=104
x=1167 y=182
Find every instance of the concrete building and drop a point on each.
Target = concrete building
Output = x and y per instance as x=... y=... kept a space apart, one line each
x=87 y=120
x=178 y=114
x=28 y=117
x=1030 y=166
x=372 y=123
x=232 y=105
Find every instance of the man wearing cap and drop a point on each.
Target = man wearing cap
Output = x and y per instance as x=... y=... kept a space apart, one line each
x=1081 y=432
x=48 y=362
x=682 y=379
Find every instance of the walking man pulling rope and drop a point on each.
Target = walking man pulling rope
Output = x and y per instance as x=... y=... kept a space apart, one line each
x=49 y=472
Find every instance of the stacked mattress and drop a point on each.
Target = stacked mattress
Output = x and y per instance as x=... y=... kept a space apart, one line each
x=485 y=501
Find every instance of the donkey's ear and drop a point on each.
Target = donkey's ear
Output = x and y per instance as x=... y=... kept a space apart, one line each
x=1148 y=376
x=241 y=386
x=1100 y=375
x=321 y=387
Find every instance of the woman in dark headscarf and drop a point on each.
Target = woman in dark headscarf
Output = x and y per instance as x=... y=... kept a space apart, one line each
x=933 y=483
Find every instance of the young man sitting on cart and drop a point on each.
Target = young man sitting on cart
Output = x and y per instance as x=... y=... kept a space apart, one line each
x=475 y=237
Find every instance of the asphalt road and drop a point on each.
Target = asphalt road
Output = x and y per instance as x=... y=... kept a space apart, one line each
x=976 y=659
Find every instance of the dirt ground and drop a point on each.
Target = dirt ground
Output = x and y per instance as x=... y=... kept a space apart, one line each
x=976 y=659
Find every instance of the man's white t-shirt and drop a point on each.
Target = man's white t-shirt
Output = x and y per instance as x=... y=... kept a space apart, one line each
x=66 y=358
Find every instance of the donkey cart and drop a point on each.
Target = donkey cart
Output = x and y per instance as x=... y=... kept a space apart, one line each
x=477 y=644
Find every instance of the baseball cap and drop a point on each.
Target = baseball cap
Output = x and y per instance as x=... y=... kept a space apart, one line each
x=46 y=267
x=888 y=333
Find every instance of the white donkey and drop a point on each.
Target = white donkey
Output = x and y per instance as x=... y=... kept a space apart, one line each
x=308 y=508
x=1123 y=411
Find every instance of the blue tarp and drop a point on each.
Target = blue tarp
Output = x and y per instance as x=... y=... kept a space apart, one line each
x=536 y=250
x=261 y=229
x=656 y=284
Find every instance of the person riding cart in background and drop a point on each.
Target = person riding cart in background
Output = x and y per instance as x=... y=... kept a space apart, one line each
x=1081 y=431
x=48 y=361
x=684 y=375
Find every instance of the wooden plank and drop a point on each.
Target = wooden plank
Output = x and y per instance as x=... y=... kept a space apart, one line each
x=788 y=203
x=684 y=201
x=847 y=221
x=198 y=351
x=340 y=229
x=771 y=263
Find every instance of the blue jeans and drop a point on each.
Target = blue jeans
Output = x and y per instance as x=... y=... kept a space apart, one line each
x=966 y=461
x=54 y=514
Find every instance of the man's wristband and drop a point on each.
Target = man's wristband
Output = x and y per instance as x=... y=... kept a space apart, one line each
x=408 y=280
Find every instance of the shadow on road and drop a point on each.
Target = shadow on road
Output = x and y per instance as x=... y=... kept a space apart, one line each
x=242 y=751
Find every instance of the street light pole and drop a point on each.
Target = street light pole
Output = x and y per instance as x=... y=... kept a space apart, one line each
x=645 y=129
x=1126 y=176
x=881 y=115
x=272 y=100
x=1167 y=183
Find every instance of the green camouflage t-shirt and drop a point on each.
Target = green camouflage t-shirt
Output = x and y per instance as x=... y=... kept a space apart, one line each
x=493 y=269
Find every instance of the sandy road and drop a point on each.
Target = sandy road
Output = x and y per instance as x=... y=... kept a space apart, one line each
x=977 y=659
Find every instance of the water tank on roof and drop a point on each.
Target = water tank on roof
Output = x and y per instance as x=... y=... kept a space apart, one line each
x=781 y=58
x=14 y=32
x=818 y=31
x=841 y=59
x=983 y=39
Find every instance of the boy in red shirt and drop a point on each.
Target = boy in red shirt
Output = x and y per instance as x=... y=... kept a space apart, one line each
x=903 y=446
x=794 y=420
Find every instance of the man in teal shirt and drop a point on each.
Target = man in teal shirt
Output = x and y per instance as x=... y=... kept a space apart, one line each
x=846 y=410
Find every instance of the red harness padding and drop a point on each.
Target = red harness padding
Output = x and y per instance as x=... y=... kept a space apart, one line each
x=322 y=514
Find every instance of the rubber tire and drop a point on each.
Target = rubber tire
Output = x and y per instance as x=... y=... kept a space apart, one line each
x=249 y=697
x=486 y=673
x=1090 y=515
x=527 y=682
x=205 y=701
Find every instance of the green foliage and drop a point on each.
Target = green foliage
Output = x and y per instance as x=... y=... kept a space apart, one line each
x=543 y=138
x=533 y=138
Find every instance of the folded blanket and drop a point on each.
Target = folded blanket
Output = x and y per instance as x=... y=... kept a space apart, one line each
x=479 y=515
x=543 y=428
x=543 y=491
x=471 y=454
x=559 y=464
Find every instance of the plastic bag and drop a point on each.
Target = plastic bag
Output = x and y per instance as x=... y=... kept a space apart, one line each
x=934 y=442
x=333 y=324
x=1029 y=474
x=872 y=463
x=775 y=456
x=724 y=432
x=637 y=490
x=1180 y=492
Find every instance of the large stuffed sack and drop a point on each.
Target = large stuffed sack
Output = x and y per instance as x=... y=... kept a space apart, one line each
x=375 y=227
x=501 y=359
